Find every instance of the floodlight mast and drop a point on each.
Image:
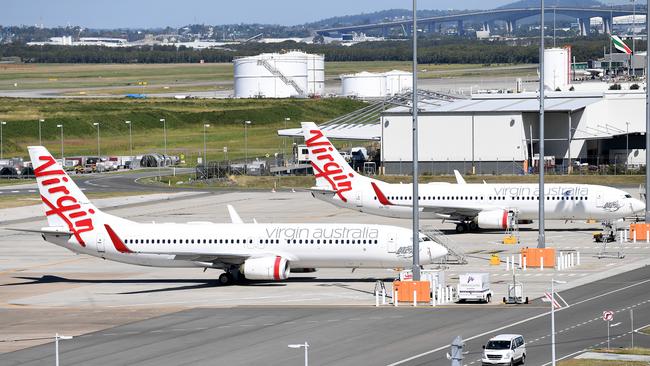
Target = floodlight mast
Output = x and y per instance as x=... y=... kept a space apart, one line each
x=541 y=240
x=416 y=208
x=647 y=123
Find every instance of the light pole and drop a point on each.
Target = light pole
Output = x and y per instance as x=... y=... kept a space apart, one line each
x=205 y=149
x=130 y=139
x=306 y=346
x=553 y=282
x=541 y=239
x=40 y=141
x=633 y=27
x=1 y=145
x=61 y=127
x=627 y=145
x=284 y=140
x=416 y=160
x=56 y=345
x=96 y=124
x=164 y=134
x=246 y=123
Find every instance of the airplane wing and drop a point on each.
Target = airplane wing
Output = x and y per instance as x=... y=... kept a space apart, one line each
x=459 y=177
x=234 y=216
x=210 y=258
x=452 y=212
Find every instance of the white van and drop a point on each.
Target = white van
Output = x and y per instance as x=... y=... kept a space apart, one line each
x=504 y=349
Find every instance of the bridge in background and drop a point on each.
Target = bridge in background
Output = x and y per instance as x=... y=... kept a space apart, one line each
x=488 y=17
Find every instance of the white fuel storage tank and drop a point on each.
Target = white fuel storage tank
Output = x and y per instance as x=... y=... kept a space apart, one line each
x=398 y=81
x=363 y=85
x=271 y=75
x=557 y=66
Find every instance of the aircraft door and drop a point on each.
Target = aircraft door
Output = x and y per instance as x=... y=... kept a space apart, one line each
x=100 y=243
x=358 y=198
x=599 y=199
x=391 y=242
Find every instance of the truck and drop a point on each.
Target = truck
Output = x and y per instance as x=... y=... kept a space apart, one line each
x=474 y=287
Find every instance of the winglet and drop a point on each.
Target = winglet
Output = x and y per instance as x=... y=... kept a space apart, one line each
x=459 y=177
x=117 y=242
x=234 y=216
x=380 y=195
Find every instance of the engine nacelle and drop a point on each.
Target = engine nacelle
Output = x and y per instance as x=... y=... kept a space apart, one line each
x=495 y=219
x=266 y=268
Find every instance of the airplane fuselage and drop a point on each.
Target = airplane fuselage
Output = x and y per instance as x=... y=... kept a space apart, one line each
x=561 y=201
x=303 y=245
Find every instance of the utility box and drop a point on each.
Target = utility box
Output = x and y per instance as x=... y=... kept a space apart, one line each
x=406 y=289
x=640 y=229
x=534 y=256
x=474 y=286
x=435 y=277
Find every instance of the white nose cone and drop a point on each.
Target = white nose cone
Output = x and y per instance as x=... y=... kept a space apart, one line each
x=432 y=252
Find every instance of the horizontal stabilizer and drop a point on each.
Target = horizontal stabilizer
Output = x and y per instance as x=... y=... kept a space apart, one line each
x=45 y=230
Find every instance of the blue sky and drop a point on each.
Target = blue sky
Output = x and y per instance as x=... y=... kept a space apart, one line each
x=159 y=13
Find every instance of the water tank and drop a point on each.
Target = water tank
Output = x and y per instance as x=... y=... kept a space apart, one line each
x=556 y=68
x=363 y=85
x=316 y=74
x=271 y=75
x=398 y=81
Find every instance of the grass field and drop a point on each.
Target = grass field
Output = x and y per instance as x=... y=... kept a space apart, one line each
x=129 y=78
x=184 y=121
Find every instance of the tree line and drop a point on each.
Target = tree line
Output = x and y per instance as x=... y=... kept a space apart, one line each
x=430 y=51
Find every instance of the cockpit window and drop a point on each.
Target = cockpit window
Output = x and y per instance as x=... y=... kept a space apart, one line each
x=628 y=196
x=425 y=238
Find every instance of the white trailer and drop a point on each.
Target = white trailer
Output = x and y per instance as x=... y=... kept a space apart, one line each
x=474 y=287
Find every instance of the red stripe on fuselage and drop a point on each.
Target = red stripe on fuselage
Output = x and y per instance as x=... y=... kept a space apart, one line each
x=380 y=195
x=117 y=242
x=276 y=268
x=504 y=220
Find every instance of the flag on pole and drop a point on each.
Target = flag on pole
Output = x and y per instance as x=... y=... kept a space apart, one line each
x=620 y=45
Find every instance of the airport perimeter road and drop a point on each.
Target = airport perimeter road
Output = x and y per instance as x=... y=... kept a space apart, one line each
x=125 y=181
x=578 y=327
x=355 y=335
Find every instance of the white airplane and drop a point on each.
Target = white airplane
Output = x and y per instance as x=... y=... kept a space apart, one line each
x=254 y=251
x=470 y=206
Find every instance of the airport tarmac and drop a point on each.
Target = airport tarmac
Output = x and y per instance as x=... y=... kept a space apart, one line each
x=46 y=289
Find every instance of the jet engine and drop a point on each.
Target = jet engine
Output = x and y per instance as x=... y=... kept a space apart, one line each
x=495 y=219
x=266 y=268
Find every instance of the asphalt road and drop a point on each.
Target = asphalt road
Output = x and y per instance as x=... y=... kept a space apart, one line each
x=356 y=335
x=108 y=182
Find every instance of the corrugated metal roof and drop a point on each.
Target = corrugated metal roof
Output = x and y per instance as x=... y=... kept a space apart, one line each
x=351 y=131
x=506 y=104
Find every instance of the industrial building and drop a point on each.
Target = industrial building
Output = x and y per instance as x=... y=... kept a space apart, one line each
x=292 y=74
x=375 y=85
x=499 y=133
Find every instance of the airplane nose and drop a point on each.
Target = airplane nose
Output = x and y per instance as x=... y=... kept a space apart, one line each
x=433 y=252
x=638 y=206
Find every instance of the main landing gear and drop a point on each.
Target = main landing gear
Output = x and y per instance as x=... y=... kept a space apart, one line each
x=230 y=277
x=463 y=227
